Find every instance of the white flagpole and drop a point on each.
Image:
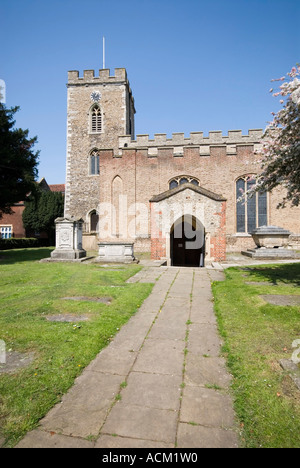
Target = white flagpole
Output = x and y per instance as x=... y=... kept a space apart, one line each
x=103 y=52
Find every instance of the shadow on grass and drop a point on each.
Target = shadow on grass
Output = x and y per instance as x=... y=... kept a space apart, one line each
x=24 y=255
x=288 y=273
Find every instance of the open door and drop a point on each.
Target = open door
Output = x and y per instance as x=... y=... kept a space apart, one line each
x=187 y=242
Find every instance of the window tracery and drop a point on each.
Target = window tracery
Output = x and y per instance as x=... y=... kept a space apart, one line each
x=180 y=180
x=251 y=212
x=96 y=119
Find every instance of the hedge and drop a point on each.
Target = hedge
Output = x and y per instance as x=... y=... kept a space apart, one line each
x=22 y=243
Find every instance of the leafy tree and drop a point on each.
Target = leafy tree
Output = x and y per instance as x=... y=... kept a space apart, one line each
x=41 y=210
x=18 y=161
x=280 y=152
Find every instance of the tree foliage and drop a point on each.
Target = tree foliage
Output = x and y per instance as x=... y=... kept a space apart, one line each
x=18 y=161
x=41 y=210
x=280 y=152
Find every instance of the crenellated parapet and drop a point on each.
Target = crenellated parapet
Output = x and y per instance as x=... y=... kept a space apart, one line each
x=102 y=78
x=178 y=141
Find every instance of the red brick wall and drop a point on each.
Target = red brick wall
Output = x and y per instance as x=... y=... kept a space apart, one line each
x=15 y=219
x=158 y=242
x=218 y=242
x=144 y=176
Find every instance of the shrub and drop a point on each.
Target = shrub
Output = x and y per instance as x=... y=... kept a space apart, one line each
x=22 y=243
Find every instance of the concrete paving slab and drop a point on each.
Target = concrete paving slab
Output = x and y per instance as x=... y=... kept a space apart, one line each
x=108 y=441
x=202 y=311
x=202 y=371
x=163 y=284
x=207 y=407
x=129 y=338
x=202 y=290
x=181 y=286
x=153 y=391
x=216 y=275
x=180 y=291
x=182 y=303
x=152 y=307
x=143 y=319
x=42 y=439
x=145 y=423
x=190 y=436
x=174 y=331
x=84 y=408
x=170 y=315
x=204 y=339
x=114 y=360
x=160 y=357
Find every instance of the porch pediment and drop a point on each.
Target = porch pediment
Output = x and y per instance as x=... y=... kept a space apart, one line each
x=180 y=188
x=192 y=208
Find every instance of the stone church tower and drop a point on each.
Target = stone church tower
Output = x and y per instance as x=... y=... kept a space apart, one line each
x=100 y=109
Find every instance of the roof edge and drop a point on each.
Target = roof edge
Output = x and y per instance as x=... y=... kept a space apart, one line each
x=180 y=188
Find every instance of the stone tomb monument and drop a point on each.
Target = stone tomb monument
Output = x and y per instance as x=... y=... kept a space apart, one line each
x=116 y=252
x=272 y=242
x=68 y=239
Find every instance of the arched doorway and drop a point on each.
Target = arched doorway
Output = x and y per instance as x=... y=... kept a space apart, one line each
x=187 y=242
x=94 y=219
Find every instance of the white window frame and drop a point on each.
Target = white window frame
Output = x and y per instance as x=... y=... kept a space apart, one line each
x=6 y=229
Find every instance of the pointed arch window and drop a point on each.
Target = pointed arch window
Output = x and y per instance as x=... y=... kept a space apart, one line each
x=94 y=163
x=251 y=212
x=96 y=119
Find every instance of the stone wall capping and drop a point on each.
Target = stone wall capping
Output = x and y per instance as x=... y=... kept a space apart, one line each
x=195 y=188
x=215 y=138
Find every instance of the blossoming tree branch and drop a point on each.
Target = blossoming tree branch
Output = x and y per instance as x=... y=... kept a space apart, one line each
x=280 y=151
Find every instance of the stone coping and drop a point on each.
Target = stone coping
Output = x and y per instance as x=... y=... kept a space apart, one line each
x=195 y=188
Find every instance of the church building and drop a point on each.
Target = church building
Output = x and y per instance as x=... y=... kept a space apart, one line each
x=178 y=198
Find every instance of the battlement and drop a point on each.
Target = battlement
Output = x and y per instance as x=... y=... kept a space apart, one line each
x=178 y=141
x=104 y=76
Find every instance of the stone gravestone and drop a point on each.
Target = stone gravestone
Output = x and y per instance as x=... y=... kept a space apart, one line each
x=68 y=232
x=2 y=352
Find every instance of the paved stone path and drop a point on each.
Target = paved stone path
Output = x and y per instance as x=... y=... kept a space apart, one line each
x=161 y=383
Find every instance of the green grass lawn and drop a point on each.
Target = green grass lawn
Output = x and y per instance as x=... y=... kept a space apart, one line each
x=256 y=336
x=29 y=292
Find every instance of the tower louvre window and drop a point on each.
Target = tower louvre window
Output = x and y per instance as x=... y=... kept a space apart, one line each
x=96 y=119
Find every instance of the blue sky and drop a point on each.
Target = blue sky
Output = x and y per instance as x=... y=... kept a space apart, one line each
x=193 y=65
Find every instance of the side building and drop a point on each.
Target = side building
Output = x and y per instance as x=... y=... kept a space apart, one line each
x=11 y=225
